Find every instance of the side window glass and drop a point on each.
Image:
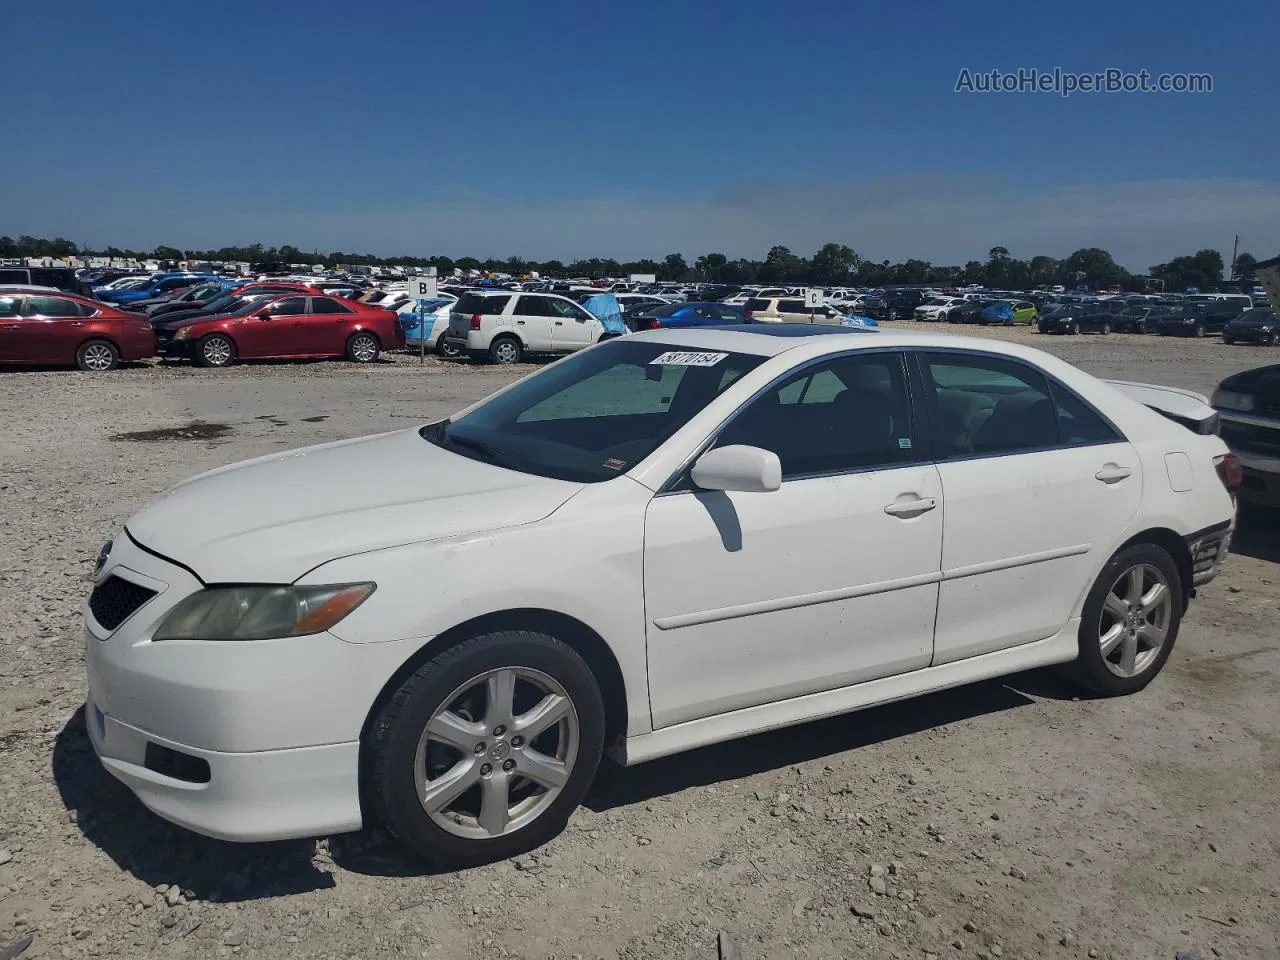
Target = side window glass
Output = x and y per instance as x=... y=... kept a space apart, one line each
x=1078 y=423
x=10 y=306
x=987 y=405
x=289 y=307
x=848 y=413
x=52 y=307
x=327 y=305
x=533 y=307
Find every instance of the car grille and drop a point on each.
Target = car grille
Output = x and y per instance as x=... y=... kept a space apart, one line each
x=114 y=601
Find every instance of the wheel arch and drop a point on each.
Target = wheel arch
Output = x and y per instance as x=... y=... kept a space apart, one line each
x=105 y=338
x=569 y=630
x=1176 y=546
x=511 y=333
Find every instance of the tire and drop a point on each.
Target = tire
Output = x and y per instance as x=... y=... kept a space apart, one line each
x=97 y=356
x=1140 y=327
x=445 y=350
x=362 y=347
x=505 y=350
x=1199 y=330
x=1227 y=340
x=1105 y=329
x=1073 y=329
x=891 y=315
x=402 y=759
x=1106 y=620
x=215 y=350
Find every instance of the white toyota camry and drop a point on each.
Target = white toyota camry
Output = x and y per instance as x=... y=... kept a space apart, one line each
x=661 y=542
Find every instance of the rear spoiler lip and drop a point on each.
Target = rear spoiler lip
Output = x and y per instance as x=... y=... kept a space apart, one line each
x=1192 y=410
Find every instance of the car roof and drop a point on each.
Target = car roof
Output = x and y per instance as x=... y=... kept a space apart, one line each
x=815 y=340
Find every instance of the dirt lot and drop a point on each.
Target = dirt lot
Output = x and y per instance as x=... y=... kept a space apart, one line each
x=1012 y=819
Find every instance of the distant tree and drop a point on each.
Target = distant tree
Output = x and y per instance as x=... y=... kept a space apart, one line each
x=1244 y=266
x=835 y=263
x=1042 y=271
x=1094 y=268
x=167 y=253
x=674 y=267
x=710 y=266
x=1200 y=269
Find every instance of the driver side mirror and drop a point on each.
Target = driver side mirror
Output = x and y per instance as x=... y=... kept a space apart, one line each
x=262 y=315
x=738 y=467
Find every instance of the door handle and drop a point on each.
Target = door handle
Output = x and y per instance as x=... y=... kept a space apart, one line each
x=10 y=326
x=559 y=323
x=911 y=508
x=1112 y=473
x=519 y=323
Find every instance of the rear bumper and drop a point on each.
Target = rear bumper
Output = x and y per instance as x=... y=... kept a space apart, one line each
x=1208 y=550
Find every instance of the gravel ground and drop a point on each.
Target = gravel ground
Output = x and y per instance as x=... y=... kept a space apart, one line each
x=1010 y=819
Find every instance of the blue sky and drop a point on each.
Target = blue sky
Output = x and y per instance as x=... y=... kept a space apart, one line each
x=573 y=130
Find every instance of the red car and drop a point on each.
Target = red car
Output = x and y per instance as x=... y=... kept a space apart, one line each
x=60 y=328
x=293 y=325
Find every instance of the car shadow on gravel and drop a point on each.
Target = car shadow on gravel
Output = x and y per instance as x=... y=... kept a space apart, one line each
x=1257 y=534
x=115 y=821
x=618 y=786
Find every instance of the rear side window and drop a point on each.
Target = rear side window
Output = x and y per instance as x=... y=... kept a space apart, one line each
x=327 y=305
x=53 y=307
x=17 y=276
x=985 y=406
x=485 y=306
x=10 y=306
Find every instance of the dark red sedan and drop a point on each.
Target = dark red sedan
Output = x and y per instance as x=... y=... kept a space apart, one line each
x=293 y=325
x=60 y=328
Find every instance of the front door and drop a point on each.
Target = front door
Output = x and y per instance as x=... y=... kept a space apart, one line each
x=572 y=327
x=830 y=580
x=54 y=328
x=272 y=331
x=1037 y=486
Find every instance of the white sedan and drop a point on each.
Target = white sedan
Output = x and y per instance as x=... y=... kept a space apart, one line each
x=664 y=541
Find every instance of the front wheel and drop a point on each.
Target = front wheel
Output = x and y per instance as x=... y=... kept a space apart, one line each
x=1199 y=331
x=487 y=748
x=363 y=348
x=1227 y=340
x=97 y=355
x=215 y=350
x=1073 y=329
x=1130 y=621
x=1139 y=327
x=1105 y=329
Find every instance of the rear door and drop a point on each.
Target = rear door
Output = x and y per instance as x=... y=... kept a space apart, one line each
x=325 y=327
x=532 y=318
x=1036 y=484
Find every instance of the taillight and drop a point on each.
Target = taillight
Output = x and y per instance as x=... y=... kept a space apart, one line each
x=655 y=324
x=475 y=321
x=751 y=314
x=1229 y=472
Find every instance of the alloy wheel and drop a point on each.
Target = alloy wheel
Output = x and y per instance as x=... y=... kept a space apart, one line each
x=497 y=753
x=364 y=349
x=98 y=356
x=217 y=352
x=1135 y=619
x=506 y=352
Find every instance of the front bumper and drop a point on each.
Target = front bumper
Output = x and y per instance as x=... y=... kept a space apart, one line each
x=245 y=741
x=1250 y=336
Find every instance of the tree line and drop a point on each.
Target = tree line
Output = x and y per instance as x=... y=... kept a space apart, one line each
x=834 y=264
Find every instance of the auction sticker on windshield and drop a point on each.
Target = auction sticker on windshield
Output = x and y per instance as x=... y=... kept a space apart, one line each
x=680 y=358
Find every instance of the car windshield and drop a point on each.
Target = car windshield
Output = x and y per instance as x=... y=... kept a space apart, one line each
x=1257 y=315
x=596 y=414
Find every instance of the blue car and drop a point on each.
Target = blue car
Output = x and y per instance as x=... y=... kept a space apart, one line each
x=672 y=315
x=157 y=287
x=433 y=315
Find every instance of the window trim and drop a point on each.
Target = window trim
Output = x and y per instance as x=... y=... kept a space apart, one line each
x=681 y=480
x=1050 y=380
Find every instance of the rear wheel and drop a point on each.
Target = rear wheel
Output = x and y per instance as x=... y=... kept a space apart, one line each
x=487 y=748
x=97 y=355
x=1105 y=329
x=446 y=350
x=1227 y=340
x=215 y=350
x=1199 y=330
x=1140 y=327
x=1074 y=328
x=505 y=350
x=1130 y=621
x=363 y=347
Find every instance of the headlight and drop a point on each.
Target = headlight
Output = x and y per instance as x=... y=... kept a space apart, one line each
x=1266 y=328
x=1229 y=400
x=261 y=612
x=182 y=333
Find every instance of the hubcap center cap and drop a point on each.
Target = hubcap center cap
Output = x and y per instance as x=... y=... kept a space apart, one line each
x=500 y=751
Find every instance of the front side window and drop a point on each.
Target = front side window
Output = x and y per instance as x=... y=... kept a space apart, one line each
x=846 y=413
x=596 y=414
x=985 y=406
x=563 y=308
x=792 y=306
x=288 y=307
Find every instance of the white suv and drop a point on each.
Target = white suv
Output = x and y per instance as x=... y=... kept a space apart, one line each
x=502 y=325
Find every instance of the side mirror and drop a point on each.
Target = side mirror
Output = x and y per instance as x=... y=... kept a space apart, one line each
x=738 y=467
x=262 y=315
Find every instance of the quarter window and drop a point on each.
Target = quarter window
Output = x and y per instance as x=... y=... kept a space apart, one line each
x=847 y=413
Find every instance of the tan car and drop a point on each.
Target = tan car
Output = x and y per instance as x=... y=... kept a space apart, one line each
x=790 y=310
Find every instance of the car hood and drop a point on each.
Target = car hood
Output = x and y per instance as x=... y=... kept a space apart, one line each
x=272 y=519
x=1262 y=381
